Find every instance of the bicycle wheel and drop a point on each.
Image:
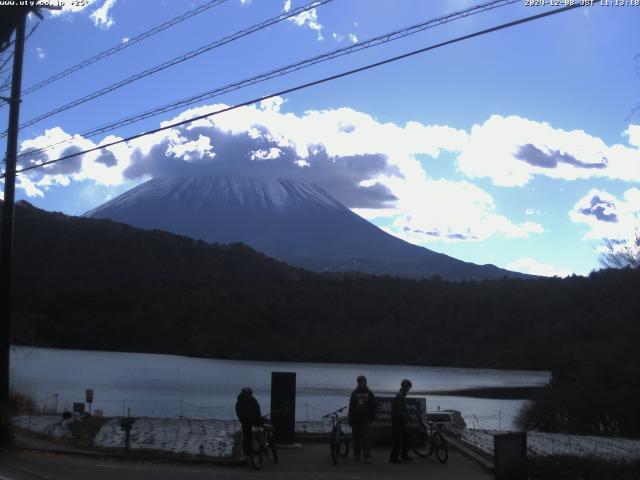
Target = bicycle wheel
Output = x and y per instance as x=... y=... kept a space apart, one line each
x=272 y=447
x=420 y=442
x=334 y=447
x=440 y=448
x=257 y=454
x=343 y=445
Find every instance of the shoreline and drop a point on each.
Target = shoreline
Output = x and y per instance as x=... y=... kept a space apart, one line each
x=498 y=393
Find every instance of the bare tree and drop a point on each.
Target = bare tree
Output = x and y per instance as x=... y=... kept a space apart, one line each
x=620 y=254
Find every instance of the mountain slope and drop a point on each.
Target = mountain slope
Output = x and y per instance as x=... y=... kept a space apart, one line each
x=293 y=222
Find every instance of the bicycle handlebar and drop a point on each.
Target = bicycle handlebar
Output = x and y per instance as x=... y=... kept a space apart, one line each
x=334 y=413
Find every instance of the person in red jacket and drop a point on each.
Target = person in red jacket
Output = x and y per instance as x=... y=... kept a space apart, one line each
x=362 y=411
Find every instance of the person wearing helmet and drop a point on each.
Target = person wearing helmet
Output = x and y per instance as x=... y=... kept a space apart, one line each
x=248 y=412
x=400 y=425
x=362 y=411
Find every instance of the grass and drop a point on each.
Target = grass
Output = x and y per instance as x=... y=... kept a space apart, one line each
x=21 y=404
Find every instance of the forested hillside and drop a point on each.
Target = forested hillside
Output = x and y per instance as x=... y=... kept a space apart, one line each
x=96 y=284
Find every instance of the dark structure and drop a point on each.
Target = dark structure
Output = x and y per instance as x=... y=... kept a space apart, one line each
x=283 y=406
x=510 y=452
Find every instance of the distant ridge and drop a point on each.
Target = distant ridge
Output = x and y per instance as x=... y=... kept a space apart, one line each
x=297 y=223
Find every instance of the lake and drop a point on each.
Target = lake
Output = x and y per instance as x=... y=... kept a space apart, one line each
x=169 y=386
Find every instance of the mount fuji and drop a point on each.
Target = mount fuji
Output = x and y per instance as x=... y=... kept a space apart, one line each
x=297 y=223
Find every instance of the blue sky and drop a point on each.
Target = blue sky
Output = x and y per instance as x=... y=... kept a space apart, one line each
x=517 y=148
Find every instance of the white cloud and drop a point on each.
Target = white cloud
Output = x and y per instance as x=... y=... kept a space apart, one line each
x=353 y=38
x=101 y=16
x=633 y=132
x=309 y=19
x=125 y=39
x=104 y=167
x=337 y=37
x=71 y=7
x=608 y=216
x=40 y=53
x=534 y=267
x=511 y=150
x=370 y=166
x=443 y=210
x=287 y=5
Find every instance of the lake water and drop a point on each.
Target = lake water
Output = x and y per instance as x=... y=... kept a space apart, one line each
x=170 y=386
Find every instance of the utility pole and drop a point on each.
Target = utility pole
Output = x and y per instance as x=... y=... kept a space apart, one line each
x=6 y=248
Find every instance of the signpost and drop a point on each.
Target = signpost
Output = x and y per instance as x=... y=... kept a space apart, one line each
x=414 y=405
x=89 y=397
x=382 y=424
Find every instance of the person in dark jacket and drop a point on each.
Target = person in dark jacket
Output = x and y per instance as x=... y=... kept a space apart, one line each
x=362 y=411
x=248 y=411
x=400 y=425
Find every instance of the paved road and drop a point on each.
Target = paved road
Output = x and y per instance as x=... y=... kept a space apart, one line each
x=310 y=462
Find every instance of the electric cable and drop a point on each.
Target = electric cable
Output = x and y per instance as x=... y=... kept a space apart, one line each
x=372 y=42
x=121 y=46
x=182 y=58
x=310 y=84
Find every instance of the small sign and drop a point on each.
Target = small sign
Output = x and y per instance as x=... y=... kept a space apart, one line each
x=89 y=395
x=414 y=405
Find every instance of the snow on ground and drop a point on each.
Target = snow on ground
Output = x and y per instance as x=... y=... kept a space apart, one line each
x=313 y=426
x=540 y=443
x=208 y=437
x=215 y=438
x=52 y=425
x=212 y=438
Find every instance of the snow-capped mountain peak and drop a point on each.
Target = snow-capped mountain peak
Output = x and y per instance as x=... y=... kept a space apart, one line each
x=227 y=192
x=298 y=223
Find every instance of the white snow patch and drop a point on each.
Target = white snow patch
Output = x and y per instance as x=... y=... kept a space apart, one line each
x=211 y=438
x=52 y=425
x=541 y=444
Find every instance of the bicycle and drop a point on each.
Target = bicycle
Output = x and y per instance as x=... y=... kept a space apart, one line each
x=262 y=441
x=338 y=440
x=425 y=440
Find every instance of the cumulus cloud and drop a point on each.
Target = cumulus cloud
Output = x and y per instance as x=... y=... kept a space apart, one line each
x=633 y=132
x=308 y=19
x=71 y=7
x=534 y=267
x=104 y=167
x=451 y=211
x=40 y=53
x=512 y=150
x=339 y=38
x=608 y=216
x=287 y=5
x=370 y=166
x=101 y=17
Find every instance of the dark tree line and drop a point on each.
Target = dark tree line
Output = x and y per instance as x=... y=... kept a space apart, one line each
x=96 y=284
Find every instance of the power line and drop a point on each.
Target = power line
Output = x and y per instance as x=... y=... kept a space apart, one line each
x=7 y=84
x=182 y=58
x=372 y=42
x=123 y=45
x=311 y=84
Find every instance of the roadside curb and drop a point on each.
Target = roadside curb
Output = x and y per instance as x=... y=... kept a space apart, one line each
x=135 y=456
x=486 y=464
